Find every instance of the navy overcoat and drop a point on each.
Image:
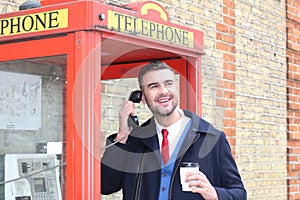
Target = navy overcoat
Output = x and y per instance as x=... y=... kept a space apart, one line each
x=135 y=167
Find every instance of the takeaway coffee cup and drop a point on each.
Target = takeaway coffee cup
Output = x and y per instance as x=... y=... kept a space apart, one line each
x=186 y=167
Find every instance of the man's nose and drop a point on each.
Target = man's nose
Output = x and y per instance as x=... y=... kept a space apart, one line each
x=163 y=89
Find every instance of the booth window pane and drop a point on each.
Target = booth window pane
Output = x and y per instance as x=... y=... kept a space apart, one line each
x=32 y=125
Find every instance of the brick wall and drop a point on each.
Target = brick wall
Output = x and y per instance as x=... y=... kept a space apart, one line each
x=293 y=96
x=225 y=42
x=261 y=97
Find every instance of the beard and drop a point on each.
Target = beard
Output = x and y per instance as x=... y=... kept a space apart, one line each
x=159 y=110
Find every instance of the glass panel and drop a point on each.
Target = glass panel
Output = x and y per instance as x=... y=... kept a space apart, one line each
x=114 y=93
x=32 y=127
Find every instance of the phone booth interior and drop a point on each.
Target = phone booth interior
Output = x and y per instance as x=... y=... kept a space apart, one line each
x=57 y=79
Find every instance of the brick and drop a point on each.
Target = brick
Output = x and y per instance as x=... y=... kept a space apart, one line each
x=230 y=123
x=229 y=66
x=219 y=36
x=229 y=20
x=229 y=94
x=296 y=135
x=232 y=49
x=230 y=113
x=229 y=57
x=222 y=28
x=293 y=159
x=232 y=31
x=232 y=143
x=228 y=3
x=222 y=46
x=226 y=10
x=229 y=39
x=294 y=46
x=229 y=75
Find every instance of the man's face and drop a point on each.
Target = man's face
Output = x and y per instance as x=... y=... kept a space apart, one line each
x=159 y=92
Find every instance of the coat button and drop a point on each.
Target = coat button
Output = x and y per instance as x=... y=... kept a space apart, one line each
x=163 y=189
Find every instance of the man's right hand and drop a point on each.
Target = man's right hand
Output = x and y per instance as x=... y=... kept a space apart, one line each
x=124 y=112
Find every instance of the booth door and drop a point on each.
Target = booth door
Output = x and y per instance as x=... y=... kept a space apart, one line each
x=32 y=127
x=42 y=103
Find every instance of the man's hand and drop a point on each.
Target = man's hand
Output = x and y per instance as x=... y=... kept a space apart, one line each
x=126 y=110
x=200 y=184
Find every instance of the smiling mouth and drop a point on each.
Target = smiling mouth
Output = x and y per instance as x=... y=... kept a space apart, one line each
x=163 y=100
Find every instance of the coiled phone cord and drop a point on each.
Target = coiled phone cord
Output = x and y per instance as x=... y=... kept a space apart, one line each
x=32 y=174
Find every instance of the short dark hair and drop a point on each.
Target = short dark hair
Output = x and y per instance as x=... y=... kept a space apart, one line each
x=152 y=66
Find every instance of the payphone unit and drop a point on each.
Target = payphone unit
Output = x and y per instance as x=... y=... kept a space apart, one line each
x=30 y=177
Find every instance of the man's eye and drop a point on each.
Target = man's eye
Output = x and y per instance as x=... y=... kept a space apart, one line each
x=169 y=83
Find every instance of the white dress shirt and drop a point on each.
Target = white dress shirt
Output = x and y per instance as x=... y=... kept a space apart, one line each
x=174 y=130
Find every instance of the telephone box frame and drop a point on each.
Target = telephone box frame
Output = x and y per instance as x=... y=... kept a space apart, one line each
x=80 y=43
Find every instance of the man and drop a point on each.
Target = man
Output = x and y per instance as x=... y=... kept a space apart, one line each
x=144 y=170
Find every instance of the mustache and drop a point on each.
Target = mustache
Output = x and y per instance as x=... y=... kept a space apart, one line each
x=164 y=96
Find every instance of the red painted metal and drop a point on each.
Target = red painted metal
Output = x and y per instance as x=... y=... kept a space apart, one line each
x=90 y=51
x=85 y=99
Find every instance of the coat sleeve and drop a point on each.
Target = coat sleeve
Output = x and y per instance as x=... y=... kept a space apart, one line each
x=111 y=167
x=232 y=185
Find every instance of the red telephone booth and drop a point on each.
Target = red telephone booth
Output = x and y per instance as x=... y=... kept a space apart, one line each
x=71 y=46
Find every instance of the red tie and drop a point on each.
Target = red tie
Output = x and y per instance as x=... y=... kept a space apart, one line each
x=165 y=146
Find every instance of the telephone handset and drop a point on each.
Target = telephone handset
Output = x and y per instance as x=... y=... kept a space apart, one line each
x=133 y=121
x=135 y=97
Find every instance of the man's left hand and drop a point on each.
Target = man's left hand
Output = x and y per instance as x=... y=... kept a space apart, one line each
x=200 y=184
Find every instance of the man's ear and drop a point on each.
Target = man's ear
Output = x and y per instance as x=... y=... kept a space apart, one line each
x=143 y=99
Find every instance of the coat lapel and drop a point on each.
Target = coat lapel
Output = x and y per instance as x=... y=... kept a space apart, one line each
x=148 y=135
x=191 y=136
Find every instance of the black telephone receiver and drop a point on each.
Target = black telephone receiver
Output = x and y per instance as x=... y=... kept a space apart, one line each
x=135 y=97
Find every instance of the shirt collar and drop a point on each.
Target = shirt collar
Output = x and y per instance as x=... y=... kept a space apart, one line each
x=174 y=128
